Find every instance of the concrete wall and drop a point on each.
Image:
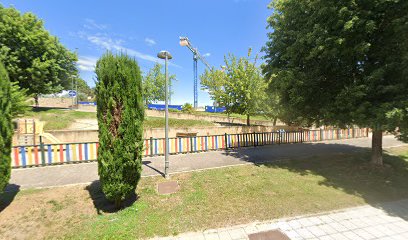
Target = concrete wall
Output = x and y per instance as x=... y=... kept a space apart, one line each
x=75 y=135
x=92 y=135
x=55 y=102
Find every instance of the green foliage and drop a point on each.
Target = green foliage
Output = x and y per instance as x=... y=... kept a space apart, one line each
x=187 y=108
x=239 y=87
x=120 y=113
x=84 y=91
x=6 y=128
x=34 y=58
x=340 y=62
x=154 y=85
x=19 y=98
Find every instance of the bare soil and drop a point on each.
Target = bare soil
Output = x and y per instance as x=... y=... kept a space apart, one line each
x=35 y=214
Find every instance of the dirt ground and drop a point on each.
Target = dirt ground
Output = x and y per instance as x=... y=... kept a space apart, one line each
x=37 y=213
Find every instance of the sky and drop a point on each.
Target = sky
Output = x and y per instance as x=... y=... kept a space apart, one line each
x=143 y=28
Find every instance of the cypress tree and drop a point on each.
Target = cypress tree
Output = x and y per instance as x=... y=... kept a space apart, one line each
x=6 y=128
x=120 y=115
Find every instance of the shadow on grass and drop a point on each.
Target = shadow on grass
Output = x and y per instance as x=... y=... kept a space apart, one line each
x=103 y=205
x=7 y=197
x=343 y=167
x=45 y=109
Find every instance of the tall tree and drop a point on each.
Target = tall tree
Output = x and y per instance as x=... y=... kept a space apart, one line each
x=33 y=57
x=239 y=86
x=6 y=128
x=120 y=115
x=154 y=85
x=341 y=63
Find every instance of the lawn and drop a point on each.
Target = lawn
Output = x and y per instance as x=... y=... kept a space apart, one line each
x=210 y=199
x=59 y=119
x=256 y=117
x=159 y=122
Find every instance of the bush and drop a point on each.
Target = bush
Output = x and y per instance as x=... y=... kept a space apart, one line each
x=187 y=108
x=6 y=128
x=120 y=113
x=174 y=110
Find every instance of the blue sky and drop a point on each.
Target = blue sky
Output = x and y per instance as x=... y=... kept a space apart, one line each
x=143 y=28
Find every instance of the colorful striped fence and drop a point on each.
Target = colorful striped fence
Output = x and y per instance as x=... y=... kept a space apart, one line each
x=49 y=154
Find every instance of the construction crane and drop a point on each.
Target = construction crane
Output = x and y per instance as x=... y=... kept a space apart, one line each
x=185 y=42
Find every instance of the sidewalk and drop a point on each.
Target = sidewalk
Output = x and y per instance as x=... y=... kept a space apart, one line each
x=383 y=221
x=68 y=174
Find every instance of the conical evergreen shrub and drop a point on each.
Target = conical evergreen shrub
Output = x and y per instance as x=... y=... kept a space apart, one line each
x=120 y=114
x=6 y=128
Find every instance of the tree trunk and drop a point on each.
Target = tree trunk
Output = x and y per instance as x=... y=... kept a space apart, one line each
x=36 y=100
x=248 y=121
x=274 y=121
x=376 y=148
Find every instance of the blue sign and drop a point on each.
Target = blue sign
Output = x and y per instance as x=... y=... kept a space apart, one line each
x=72 y=93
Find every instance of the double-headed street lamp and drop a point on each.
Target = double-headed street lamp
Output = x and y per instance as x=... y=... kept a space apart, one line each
x=166 y=56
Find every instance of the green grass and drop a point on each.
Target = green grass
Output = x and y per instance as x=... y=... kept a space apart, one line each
x=159 y=122
x=236 y=195
x=256 y=117
x=59 y=119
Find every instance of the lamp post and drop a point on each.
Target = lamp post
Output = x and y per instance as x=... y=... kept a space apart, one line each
x=166 y=56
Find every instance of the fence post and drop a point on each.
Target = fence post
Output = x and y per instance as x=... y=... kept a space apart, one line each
x=301 y=136
x=254 y=138
x=151 y=146
x=226 y=141
x=191 y=145
x=321 y=135
x=42 y=151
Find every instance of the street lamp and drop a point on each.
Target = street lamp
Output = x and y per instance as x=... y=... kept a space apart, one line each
x=166 y=56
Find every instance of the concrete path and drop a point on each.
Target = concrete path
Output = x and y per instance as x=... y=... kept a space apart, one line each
x=87 y=172
x=384 y=221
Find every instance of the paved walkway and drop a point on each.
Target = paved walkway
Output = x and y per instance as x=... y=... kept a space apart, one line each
x=387 y=221
x=87 y=172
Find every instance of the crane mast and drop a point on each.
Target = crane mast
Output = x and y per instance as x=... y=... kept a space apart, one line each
x=185 y=42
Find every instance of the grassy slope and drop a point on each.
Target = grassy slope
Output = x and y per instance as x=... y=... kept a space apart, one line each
x=58 y=119
x=258 y=117
x=214 y=198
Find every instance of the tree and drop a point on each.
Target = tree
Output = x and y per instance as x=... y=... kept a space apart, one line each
x=6 y=128
x=120 y=114
x=34 y=58
x=187 y=108
x=84 y=91
x=154 y=85
x=239 y=87
x=341 y=63
x=19 y=98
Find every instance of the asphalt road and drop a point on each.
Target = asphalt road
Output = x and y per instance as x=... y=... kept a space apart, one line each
x=62 y=175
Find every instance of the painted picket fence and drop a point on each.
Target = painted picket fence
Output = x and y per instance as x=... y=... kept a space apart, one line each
x=49 y=154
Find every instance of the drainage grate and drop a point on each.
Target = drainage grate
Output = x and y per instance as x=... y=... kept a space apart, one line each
x=269 y=235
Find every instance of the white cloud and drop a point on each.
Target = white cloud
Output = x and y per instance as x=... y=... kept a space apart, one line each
x=116 y=45
x=87 y=63
x=206 y=54
x=91 y=24
x=150 y=42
